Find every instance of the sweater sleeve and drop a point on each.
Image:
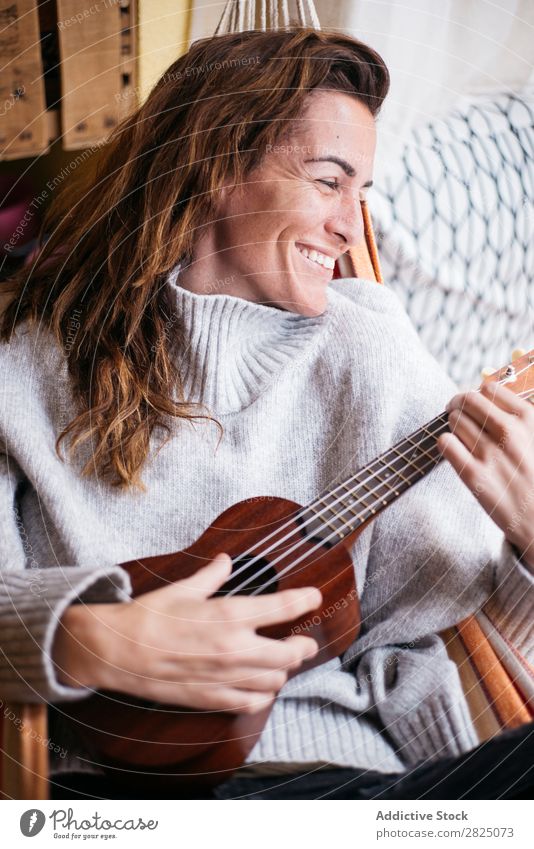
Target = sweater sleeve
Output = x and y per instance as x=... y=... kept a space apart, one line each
x=435 y=557
x=32 y=600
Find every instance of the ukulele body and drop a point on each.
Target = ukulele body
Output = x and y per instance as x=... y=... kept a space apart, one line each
x=177 y=745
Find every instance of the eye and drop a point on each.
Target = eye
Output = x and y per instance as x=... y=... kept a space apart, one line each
x=331 y=184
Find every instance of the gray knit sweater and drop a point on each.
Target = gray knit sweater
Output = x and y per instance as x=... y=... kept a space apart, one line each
x=304 y=402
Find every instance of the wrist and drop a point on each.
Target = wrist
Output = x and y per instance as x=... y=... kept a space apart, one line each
x=82 y=640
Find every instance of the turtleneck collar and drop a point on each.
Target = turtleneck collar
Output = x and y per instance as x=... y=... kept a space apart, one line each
x=235 y=348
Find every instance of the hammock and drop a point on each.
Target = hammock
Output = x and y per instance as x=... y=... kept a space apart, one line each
x=241 y=15
x=498 y=682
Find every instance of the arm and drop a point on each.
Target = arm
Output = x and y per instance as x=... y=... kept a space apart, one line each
x=32 y=601
x=491 y=448
x=65 y=631
x=492 y=451
x=436 y=557
x=177 y=644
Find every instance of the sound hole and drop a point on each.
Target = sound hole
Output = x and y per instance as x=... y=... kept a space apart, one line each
x=249 y=576
x=307 y=526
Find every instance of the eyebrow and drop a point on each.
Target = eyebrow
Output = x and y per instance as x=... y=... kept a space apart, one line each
x=347 y=168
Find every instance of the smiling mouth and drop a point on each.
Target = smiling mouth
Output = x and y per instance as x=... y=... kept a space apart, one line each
x=318 y=261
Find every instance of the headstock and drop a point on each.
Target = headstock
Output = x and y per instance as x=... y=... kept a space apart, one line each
x=517 y=375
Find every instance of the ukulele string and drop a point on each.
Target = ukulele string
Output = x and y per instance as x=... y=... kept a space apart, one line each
x=296 y=532
x=349 y=481
x=333 y=533
x=305 y=539
x=432 y=463
x=288 y=568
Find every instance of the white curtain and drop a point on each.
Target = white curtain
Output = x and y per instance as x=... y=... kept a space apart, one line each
x=205 y=17
x=438 y=51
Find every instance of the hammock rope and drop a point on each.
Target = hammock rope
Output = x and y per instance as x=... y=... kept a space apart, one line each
x=241 y=15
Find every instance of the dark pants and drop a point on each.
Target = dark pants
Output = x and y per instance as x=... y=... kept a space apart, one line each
x=502 y=768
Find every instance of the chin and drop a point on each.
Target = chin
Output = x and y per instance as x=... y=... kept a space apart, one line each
x=313 y=309
x=307 y=300
x=310 y=305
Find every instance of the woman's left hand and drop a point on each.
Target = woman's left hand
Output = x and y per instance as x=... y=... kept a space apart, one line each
x=491 y=447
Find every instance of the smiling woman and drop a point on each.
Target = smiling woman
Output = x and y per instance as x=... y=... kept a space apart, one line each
x=281 y=231
x=187 y=178
x=187 y=279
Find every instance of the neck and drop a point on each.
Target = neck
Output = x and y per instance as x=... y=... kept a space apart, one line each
x=336 y=514
x=203 y=278
x=229 y=350
x=340 y=512
x=211 y=272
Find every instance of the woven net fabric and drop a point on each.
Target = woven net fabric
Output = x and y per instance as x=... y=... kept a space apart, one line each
x=454 y=220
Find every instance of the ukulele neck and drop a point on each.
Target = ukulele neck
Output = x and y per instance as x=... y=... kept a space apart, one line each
x=336 y=514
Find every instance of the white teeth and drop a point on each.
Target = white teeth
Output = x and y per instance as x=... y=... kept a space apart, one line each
x=316 y=256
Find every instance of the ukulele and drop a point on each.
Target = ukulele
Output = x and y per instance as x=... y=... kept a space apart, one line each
x=274 y=544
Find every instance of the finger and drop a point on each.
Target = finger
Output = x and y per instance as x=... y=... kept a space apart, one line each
x=475 y=439
x=218 y=698
x=260 y=680
x=290 y=652
x=240 y=677
x=504 y=396
x=483 y=411
x=272 y=609
x=238 y=701
x=457 y=455
x=208 y=579
x=256 y=651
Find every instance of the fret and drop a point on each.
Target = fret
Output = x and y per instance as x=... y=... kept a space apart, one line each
x=343 y=521
x=368 y=488
x=387 y=483
x=399 y=465
x=317 y=525
x=378 y=484
x=349 y=504
x=349 y=494
x=387 y=470
x=414 y=441
x=432 y=435
x=424 y=451
x=361 y=499
x=399 y=472
x=325 y=520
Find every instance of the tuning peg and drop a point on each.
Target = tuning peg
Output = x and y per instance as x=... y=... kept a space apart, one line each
x=518 y=352
x=488 y=371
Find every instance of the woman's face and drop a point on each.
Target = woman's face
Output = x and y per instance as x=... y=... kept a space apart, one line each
x=278 y=234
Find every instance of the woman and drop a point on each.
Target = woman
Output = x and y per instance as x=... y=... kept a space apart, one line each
x=186 y=289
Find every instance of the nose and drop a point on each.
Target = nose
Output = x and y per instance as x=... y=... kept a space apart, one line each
x=346 y=221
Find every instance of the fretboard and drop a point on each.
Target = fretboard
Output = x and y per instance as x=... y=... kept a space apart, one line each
x=339 y=512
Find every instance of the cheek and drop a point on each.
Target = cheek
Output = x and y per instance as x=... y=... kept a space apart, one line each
x=299 y=207
x=300 y=196
x=270 y=211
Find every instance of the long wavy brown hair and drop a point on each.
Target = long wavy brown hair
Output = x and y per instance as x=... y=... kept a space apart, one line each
x=126 y=216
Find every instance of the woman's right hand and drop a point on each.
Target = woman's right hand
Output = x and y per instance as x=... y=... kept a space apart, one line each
x=179 y=646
